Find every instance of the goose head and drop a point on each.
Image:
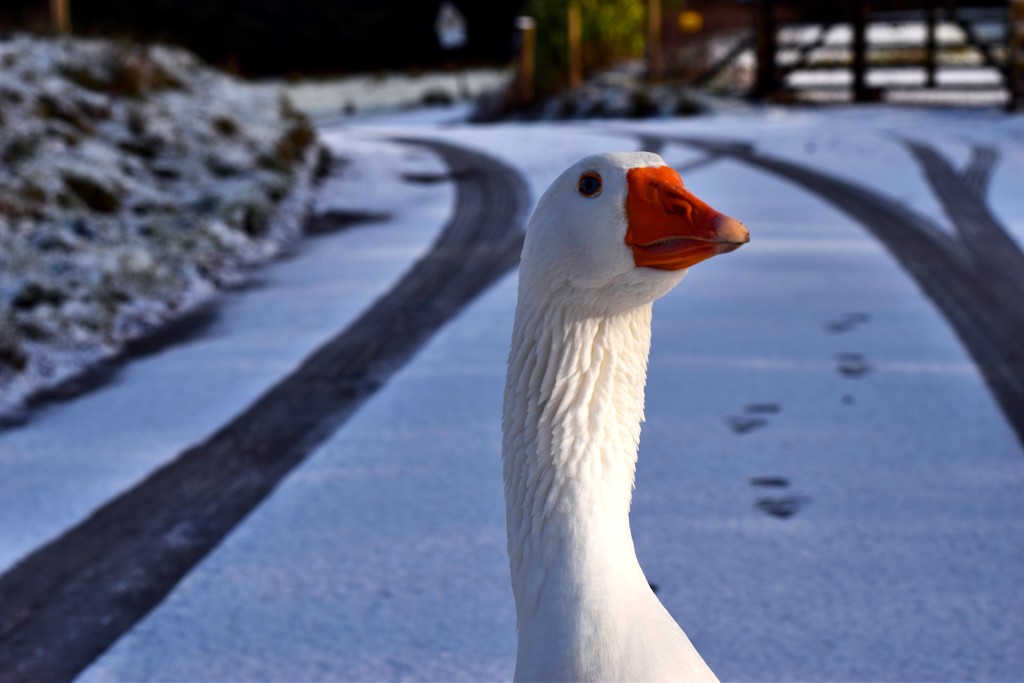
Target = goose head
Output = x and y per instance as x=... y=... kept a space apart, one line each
x=619 y=230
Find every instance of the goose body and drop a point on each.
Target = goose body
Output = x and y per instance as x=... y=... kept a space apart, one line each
x=612 y=234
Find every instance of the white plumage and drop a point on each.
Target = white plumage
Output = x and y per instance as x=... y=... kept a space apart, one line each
x=612 y=234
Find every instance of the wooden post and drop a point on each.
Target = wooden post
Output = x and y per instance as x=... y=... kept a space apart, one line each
x=1015 y=55
x=655 y=63
x=931 y=44
x=766 y=83
x=575 y=54
x=60 y=16
x=859 y=20
x=527 y=58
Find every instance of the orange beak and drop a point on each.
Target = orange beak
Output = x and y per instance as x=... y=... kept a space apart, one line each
x=671 y=229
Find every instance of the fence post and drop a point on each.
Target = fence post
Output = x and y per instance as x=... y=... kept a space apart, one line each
x=527 y=55
x=767 y=80
x=655 y=63
x=60 y=16
x=931 y=43
x=860 y=10
x=1015 y=54
x=575 y=55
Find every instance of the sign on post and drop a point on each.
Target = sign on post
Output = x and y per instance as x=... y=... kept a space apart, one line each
x=690 y=21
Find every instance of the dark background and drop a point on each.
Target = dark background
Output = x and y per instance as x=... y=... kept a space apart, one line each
x=290 y=37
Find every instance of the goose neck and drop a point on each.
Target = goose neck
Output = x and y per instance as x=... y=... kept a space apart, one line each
x=573 y=406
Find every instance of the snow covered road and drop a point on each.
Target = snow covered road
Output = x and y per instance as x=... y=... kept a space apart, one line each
x=106 y=573
x=827 y=490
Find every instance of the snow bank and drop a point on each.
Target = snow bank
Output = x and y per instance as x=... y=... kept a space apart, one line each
x=363 y=94
x=134 y=181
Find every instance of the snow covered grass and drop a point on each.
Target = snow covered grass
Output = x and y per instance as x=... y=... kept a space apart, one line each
x=364 y=94
x=134 y=181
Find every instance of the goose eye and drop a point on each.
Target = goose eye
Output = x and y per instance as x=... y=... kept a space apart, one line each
x=590 y=184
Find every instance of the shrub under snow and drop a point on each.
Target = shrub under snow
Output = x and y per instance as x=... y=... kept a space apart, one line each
x=133 y=182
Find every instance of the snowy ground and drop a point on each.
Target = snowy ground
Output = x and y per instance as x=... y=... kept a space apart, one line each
x=76 y=455
x=382 y=557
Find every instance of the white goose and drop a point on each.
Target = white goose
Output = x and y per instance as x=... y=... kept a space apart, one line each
x=612 y=234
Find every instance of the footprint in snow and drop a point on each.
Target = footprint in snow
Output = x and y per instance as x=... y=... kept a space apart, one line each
x=426 y=178
x=769 y=482
x=852 y=365
x=336 y=220
x=741 y=424
x=781 y=506
x=764 y=408
x=753 y=417
x=847 y=322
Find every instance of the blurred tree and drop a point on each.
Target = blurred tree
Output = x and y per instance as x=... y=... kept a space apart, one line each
x=612 y=30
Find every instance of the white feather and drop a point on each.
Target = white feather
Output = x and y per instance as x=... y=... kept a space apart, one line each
x=573 y=405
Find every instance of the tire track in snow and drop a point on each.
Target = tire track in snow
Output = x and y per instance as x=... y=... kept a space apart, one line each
x=68 y=601
x=975 y=278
